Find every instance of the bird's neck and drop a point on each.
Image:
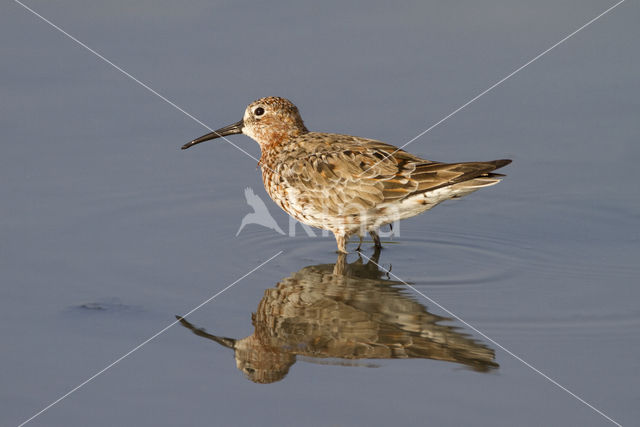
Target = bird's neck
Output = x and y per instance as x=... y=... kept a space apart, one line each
x=274 y=140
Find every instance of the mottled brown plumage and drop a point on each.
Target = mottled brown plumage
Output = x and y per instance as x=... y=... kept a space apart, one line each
x=349 y=313
x=346 y=184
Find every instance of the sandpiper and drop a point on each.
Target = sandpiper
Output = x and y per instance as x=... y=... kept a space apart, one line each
x=347 y=184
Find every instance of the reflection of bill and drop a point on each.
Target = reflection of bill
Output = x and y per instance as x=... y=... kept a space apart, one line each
x=345 y=311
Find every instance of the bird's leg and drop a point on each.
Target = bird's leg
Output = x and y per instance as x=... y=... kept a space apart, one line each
x=375 y=257
x=341 y=240
x=376 y=238
x=340 y=267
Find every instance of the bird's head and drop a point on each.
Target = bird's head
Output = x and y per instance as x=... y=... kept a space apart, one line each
x=268 y=121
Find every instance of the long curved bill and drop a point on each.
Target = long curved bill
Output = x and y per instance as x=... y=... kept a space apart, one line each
x=224 y=341
x=232 y=129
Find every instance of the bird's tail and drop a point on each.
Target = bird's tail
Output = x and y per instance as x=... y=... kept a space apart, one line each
x=484 y=179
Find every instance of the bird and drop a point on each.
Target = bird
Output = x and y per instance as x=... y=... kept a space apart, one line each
x=346 y=184
x=260 y=214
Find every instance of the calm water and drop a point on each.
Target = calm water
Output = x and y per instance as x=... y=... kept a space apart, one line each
x=109 y=231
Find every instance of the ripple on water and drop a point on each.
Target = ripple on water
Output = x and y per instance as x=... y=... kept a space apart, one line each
x=572 y=322
x=442 y=259
x=109 y=305
x=457 y=259
x=460 y=257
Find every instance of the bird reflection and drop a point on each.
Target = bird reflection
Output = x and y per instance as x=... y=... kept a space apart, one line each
x=337 y=313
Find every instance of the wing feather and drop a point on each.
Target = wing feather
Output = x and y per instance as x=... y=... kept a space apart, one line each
x=352 y=174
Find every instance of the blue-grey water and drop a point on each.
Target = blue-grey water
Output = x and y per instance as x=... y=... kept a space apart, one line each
x=108 y=230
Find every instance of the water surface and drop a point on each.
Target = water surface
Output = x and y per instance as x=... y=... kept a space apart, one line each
x=109 y=231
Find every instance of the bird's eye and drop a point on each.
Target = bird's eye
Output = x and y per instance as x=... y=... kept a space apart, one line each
x=258 y=111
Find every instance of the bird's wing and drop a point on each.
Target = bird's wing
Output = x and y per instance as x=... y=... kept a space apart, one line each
x=432 y=176
x=357 y=174
x=335 y=177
